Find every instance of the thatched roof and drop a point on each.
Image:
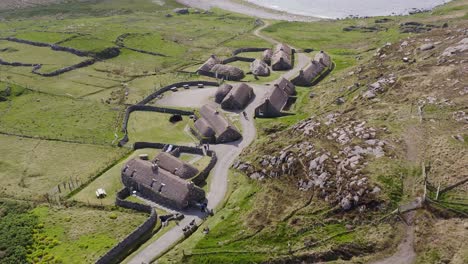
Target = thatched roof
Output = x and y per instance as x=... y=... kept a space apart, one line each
x=323 y=58
x=238 y=98
x=286 y=86
x=209 y=64
x=221 y=92
x=259 y=68
x=175 y=166
x=204 y=128
x=278 y=98
x=283 y=47
x=223 y=129
x=160 y=181
x=281 y=61
x=266 y=56
x=309 y=74
x=228 y=72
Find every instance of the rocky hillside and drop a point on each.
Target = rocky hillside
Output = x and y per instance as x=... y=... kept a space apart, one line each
x=391 y=130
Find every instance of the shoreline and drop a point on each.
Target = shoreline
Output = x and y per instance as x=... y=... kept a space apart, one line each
x=248 y=8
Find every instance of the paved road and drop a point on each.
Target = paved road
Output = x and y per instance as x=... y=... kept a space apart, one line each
x=227 y=154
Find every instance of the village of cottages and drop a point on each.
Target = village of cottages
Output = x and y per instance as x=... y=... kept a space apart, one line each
x=172 y=183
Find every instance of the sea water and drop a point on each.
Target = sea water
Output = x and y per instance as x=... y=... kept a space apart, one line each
x=345 y=8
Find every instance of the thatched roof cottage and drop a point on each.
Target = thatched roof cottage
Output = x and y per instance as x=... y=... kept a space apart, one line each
x=282 y=58
x=276 y=99
x=238 y=98
x=227 y=72
x=259 y=68
x=159 y=185
x=307 y=76
x=214 y=126
x=221 y=92
x=310 y=74
x=175 y=166
x=324 y=59
x=208 y=65
x=286 y=86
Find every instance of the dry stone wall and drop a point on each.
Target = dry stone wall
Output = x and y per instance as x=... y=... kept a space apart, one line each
x=116 y=254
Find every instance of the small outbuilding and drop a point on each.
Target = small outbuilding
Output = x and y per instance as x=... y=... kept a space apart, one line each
x=238 y=97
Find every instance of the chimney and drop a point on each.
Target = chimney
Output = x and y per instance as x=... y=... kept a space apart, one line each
x=153 y=181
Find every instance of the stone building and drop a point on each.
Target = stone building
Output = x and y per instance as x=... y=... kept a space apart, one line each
x=159 y=185
x=321 y=64
x=259 y=68
x=282 y=58
x=221 y=92
x=213 y=126
x=238 y=97
x=276 y=100
x=205 y=69
x=227 y=72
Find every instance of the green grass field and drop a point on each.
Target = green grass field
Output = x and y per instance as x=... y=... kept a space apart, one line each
x=32 y=168
x=52 y=117
x=157 y=128
x=79 y=235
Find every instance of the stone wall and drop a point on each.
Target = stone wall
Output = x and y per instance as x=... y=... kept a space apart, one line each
x=63 y=70
x=141 y=106
x=117 y=253
x=168 y=88
x=237 y=58
x=237 y=51
x=16 y=64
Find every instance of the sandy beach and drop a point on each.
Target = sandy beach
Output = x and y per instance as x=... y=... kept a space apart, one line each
x=246 y=9
x=303 y=10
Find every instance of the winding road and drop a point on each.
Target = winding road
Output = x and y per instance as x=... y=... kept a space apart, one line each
x=227 y=154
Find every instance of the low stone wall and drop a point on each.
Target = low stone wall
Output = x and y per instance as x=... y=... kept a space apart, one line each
x=141 y=106
x=120 y=201
x=16 y=64
x=63 y=70
x=237 y=51
x=119 y=41
x=168 y=88
x=116 y=254
x=28 y=42
x=237 y=58
x=147 y=108
x=71 y=50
